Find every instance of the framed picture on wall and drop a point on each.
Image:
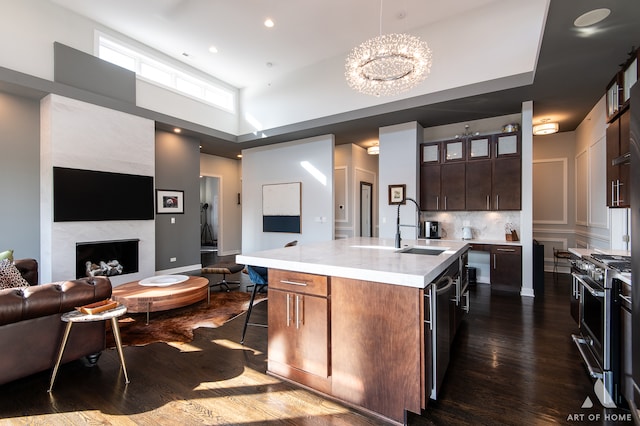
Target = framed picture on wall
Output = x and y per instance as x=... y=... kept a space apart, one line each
x=397 y=194
x=169 y=201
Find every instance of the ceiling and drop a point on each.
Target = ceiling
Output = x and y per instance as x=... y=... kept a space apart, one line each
x=571 y=75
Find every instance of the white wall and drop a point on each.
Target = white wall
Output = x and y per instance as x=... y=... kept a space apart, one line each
x=230 y=220
x=352 y=166
x=78 y=135
x=39 y=23
x=554 y=194
x=592 y=214
x=282 y=163
x=397 y=166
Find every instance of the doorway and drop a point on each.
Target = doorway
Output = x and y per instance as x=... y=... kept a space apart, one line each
x=366 y=209
x=209 y=213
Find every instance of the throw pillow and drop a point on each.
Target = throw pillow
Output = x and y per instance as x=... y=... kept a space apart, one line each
x=10 y=277
x=8 y=254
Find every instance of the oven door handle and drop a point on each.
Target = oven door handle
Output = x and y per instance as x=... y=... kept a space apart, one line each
x=593 y=291
x=594 y=372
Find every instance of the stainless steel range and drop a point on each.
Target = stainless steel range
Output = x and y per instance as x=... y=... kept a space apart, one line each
x=594 y=278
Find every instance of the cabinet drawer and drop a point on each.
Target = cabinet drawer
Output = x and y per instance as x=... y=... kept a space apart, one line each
x=299 y=282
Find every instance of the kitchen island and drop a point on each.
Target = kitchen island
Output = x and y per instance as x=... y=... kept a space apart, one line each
x=356 y=319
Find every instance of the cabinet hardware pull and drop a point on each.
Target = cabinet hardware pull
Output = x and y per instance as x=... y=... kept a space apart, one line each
x=437 y=202
x=613 y=186
x=498 y=202
x=429 y=321
x=508 y=250
x=288 y=310
x=298 y=297
x=293 y=283
x=494 y=261
x=488 y=202
x=467 y=305
x=445 y=202
x=620 y=201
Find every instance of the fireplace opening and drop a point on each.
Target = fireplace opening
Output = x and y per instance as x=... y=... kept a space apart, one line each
x=106 y=258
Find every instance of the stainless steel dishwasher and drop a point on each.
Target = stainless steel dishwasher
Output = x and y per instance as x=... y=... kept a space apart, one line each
x=438 y=328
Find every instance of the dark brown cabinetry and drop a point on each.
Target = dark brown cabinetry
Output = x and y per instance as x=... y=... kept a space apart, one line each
x=506 y=267
x=442 y=176
x=478 y=185
x=506 y=186
x=618 y=164
x=478 y=173
x=299 y=345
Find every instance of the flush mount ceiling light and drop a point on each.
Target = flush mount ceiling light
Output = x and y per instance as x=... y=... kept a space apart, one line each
x=388 y=64
x=545 y=128
x=592 y=17
x=373 y=150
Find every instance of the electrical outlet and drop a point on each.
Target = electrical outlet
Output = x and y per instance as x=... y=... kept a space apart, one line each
x=173 y=220
x=173 y=259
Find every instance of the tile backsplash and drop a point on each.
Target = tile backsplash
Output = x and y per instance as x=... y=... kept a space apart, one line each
x=484 y=225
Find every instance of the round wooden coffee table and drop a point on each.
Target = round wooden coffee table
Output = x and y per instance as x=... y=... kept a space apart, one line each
x=139 y=298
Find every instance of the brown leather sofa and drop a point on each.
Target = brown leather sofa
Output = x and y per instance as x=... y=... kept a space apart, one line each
x=30 y=325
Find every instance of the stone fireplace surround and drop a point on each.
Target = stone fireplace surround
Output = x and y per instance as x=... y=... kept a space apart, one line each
x=76 y=134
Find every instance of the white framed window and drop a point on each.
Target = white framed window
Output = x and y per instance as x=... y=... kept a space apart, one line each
x=164 y=74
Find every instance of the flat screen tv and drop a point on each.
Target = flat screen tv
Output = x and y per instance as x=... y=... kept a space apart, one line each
x=89 y=195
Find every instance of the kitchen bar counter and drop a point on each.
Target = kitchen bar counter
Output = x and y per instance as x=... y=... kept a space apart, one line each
x=368 y=259
x=340 y=313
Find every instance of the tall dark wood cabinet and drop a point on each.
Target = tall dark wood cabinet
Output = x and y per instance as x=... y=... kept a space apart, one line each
x=472 y=174
x=478 y=185
x=442 y=171
x=618 y=161
x=506 y=184
x=635 y=239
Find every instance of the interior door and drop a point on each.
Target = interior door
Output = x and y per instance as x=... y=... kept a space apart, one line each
x=366 y=209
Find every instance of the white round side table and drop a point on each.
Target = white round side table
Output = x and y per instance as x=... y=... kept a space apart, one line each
x=77 y=316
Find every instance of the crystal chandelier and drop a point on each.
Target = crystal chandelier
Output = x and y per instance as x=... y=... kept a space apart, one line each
x=388 y=64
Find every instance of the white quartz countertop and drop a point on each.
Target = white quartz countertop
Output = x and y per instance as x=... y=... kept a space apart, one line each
x=480 y=241
x=586 y=252
x=367 y=259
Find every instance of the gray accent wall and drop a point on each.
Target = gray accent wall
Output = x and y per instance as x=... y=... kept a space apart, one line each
x=20 y=175
x=178 y=169
x=84 y=71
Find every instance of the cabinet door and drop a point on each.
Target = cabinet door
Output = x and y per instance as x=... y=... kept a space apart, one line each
x=506 y=184
x=478 y=185
x=298 y=331
x=430 y=187
x=454 y=150
x=624 y=191
x=613 y=151
x=452 y=191
x=507 y=145
x=506 y=268
x=430 y=153
x=479 y=148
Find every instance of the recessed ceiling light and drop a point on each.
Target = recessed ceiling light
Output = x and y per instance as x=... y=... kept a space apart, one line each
x=269 y=23
x=213 y=49
x=176 y=130
x=239 y=155
x=592 y=17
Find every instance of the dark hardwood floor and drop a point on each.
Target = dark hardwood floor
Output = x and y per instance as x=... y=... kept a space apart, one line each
x=513 y=363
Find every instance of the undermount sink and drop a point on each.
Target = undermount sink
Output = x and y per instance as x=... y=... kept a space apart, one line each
x=423 y=250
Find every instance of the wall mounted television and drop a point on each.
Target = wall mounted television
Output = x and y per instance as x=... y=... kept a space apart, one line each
x=89 y=195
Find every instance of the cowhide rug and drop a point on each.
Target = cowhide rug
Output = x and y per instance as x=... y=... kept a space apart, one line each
x=177 y=325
